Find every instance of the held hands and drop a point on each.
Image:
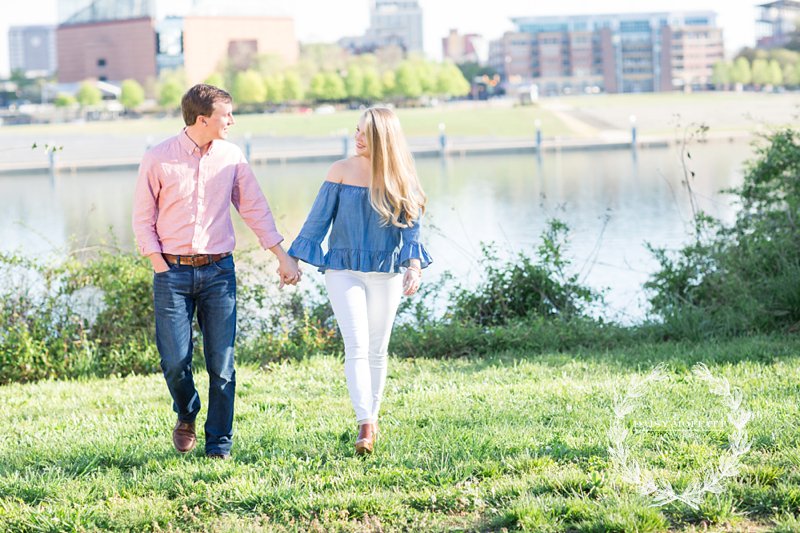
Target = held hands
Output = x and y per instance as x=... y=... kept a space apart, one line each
x=412 y=279
x=288 y=271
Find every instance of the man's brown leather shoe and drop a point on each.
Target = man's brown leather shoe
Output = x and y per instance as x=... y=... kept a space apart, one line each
x=184 y=437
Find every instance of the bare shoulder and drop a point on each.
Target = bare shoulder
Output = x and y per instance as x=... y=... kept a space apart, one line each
x=337 y=171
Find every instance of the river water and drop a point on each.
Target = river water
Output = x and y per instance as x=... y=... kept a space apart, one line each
x=613 y=201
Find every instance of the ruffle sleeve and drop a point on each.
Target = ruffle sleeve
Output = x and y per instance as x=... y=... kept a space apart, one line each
x=308 y=244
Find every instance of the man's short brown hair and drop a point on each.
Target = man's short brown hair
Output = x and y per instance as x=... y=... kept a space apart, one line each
x=199 y=100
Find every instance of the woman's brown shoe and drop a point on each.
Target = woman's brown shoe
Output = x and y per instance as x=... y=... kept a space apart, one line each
x=365 y=442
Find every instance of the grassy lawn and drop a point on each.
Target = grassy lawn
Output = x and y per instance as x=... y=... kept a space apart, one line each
x=568 y=117
x=660 y=113
x=510 y=441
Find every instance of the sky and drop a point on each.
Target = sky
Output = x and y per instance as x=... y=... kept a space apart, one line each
x=326 y=20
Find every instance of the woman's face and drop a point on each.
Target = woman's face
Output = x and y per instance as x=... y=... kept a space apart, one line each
x=361 y=138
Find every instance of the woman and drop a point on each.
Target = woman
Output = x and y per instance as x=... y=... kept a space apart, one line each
x=374 y=203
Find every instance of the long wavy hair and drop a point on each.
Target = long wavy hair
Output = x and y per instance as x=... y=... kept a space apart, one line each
x=395 y=191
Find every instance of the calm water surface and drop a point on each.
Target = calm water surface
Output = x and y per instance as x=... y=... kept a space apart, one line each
x=612 y=201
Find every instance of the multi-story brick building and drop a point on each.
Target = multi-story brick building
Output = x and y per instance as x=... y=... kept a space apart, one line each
x=641 y=52
x=114 y=40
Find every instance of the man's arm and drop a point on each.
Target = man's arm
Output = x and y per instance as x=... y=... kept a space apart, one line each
x=254 y=209
x=145 y=214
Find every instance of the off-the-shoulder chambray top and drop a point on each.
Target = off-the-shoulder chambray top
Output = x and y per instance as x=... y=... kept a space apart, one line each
x=358 y=240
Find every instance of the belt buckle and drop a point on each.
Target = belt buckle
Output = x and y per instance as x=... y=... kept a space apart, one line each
x=199 y=260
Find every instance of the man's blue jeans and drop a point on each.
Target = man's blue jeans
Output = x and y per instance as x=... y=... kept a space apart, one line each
x=211 y=290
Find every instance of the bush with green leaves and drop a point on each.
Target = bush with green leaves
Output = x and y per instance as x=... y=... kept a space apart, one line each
x=94 y=317
x=743 y=277
x=522 y=288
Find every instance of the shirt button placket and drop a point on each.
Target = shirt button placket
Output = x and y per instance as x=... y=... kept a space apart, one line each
x=200 y=198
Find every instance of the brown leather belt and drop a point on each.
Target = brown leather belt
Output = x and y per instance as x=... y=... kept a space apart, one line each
x=194 y=260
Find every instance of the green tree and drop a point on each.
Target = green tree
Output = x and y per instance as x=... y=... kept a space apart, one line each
x=427 y=73
x=64 y=100
x=132 y=95
x=248 y=88
x=275 y=88
x=389 y=83
x=334 y=87
x=791 y=75
x=321 y=57
x=269 y=65
x=373 y=89
x=784 y=57
x=354 y=82
x=722 y=73
x=775 y=73
x=89 y=94
x=215 y=79
x=292 y=87
x=741 y=72
x=408 y=84
x=451 y=81
x=170 y=92
x=760 y=72
x=317 y=87
x=472 y=70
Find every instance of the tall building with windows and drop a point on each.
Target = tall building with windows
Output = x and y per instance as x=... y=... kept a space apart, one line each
x=636 y=52
x=111 y=40
x=776 y=23
x=32 y=50
x=397 y=22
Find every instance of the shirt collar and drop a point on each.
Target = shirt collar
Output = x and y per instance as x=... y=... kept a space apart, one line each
x=189 y=146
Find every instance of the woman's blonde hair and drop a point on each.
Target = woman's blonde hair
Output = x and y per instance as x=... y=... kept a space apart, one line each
x=395 y=191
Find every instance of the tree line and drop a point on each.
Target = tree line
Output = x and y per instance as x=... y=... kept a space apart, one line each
x=323 y=74
x=759 y=68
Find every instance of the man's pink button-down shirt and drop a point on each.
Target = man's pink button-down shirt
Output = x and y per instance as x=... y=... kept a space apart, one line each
x=182 y=200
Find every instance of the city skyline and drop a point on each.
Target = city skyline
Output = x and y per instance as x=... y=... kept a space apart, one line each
x=351 y=17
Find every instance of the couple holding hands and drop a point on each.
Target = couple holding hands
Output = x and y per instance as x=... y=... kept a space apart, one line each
x=372 y=202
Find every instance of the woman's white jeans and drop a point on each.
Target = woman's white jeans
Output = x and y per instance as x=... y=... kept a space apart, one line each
x=365 y=304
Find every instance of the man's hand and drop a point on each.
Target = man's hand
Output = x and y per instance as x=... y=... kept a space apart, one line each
x=159 y=265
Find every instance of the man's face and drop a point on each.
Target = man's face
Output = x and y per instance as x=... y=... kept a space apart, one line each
x=220 y=120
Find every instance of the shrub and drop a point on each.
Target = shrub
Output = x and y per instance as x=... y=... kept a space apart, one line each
x=522 y=288
x=744 y=277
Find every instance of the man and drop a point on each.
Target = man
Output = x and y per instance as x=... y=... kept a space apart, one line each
x=182 y=223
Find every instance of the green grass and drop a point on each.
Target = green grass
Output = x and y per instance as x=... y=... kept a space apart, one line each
x=507 y=441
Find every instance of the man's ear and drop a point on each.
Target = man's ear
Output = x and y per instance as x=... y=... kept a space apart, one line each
x=201 y=121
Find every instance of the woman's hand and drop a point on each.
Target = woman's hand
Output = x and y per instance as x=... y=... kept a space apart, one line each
x=412 y=280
